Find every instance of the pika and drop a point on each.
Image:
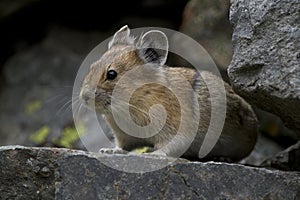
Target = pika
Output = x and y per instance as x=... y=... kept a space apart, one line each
x=147 y=57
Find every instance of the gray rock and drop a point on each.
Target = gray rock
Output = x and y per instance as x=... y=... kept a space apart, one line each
x=265 y=66
x=285 y=160
x=48 y=173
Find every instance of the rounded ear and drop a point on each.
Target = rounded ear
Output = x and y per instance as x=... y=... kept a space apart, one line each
x=153 y=47
x=122 y=36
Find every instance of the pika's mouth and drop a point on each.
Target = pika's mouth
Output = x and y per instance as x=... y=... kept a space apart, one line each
x=87 y=99
x=98 y=102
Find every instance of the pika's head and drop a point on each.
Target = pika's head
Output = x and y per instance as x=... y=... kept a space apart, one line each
x=124 y=54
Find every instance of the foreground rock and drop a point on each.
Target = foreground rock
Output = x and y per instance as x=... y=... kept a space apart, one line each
x=48 y=173
x=265 y=65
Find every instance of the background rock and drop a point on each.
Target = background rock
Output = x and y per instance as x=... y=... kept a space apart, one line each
x=36 y=102
x=265 y=65
x=208 y=23
x=48 y=173
x=9 y=7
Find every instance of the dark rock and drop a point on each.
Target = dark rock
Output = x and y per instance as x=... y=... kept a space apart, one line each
x=10 y=7
x=285 y=160
x=22 y=176
x=74 y=174
x=265 y=65
x=207 y=22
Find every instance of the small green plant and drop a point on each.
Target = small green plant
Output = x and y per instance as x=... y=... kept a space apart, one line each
x=40 y=135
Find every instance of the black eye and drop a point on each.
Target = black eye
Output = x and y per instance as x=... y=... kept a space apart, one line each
x=111 y=75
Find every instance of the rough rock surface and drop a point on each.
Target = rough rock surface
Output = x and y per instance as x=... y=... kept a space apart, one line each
x=265 y=66
x=48 y=173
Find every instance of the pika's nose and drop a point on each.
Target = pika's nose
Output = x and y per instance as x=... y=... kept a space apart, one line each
x=85 y=96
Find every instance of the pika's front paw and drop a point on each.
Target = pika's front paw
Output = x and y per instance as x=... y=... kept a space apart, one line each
x=159 y=153
x=115 y=150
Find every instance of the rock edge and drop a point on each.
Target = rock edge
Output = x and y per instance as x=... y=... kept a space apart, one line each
x=53 y=173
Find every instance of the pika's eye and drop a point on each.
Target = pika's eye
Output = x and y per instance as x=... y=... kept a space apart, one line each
x=111 y=75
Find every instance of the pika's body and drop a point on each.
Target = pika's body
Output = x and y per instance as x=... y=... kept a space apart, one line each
x=146 y=59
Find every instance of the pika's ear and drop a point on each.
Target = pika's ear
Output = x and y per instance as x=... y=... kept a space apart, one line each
x=153 y=47
x=122 y=36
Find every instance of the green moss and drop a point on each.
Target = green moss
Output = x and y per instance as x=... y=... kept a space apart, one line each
x=32 y=107
x=70 y=135
x=40 y=135
x=142 y=150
